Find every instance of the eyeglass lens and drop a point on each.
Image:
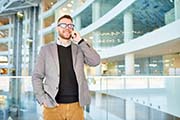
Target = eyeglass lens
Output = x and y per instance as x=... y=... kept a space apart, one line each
x=64 y=25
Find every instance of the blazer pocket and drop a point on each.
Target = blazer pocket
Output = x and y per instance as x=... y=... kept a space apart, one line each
x=49 y=102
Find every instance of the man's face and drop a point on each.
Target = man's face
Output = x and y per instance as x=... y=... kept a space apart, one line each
x=65 y=28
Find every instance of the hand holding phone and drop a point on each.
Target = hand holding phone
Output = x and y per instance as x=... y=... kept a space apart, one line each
x=75 y=36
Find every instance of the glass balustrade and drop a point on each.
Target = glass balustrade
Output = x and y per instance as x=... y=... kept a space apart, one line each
x=113 y=98
x=134 y=97
x=17 y=101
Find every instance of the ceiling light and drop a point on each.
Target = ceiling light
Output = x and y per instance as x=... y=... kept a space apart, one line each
x=152 y=65
x=72 y=1
x=69 y=5
x=64 y=9
x=91 y=37
x=3 y=58
x=136 y=65
x=166 y=60
x=120 y=66
x=29 y=40
x=166 y=65
x=20 y=14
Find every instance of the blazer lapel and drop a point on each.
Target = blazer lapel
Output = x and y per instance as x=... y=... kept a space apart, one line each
x=54 y=52
x=74 y=53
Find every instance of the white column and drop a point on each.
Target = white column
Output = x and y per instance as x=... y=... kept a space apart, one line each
x=95 y=16
x=144 y=67
x=128 y=35
x=96 y=40
x=78 y=23
x=129 y=64
x=96 y=36
x=130 y=110
x=58 y=14
x=173 y=96
x=95 y=11
x=41 y=27
x=177 y=9
x=128 y=26
x=9 y=42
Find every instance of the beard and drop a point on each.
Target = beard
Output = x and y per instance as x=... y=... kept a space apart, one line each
x=65 y=35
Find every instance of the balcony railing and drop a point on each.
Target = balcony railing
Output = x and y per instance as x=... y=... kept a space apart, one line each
x=136 y=97
x=113 y=98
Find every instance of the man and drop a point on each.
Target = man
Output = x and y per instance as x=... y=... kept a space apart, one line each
x=58 y=78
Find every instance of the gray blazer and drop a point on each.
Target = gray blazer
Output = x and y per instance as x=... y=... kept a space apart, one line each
x=45 y=77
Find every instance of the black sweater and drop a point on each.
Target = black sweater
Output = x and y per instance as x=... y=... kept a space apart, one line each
x=68 y=87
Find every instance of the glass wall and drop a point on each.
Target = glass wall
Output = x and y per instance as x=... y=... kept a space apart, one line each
x=94 y=11
x=147 y=16
x=171 y=64
x=157 y=65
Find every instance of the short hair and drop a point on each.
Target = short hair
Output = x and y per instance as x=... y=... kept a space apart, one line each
x=65 y=16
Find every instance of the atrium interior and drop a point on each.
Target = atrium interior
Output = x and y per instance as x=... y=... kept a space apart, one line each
x=138 y=42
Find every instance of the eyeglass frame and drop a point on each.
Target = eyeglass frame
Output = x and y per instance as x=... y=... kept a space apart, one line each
x=66 y=25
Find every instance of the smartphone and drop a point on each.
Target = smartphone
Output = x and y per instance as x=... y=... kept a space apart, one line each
x=73 y=35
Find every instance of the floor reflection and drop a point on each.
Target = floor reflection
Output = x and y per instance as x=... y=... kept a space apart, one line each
x=105 y=107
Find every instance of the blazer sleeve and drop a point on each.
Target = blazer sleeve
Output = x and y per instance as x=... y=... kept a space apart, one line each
x=91 y=57
x=38 y=76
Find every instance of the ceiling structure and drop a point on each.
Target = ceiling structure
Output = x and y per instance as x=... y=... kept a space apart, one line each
x=8 y=7
x=47 y=4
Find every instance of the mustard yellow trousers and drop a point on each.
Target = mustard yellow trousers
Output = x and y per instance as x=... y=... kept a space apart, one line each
x=72 y=111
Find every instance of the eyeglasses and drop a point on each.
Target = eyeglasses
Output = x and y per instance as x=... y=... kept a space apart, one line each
x=64 y=25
